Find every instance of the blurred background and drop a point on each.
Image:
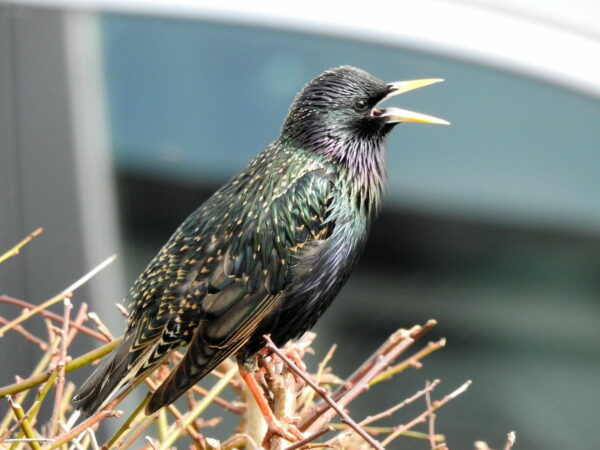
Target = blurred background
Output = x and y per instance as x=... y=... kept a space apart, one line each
x=118 y=118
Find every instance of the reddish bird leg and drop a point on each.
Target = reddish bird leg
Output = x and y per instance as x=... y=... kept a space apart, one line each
x=286 y=430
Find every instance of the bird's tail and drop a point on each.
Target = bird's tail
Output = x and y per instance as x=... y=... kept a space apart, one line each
x=110 y=375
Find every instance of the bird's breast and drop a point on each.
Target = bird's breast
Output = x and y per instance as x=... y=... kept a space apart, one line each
x=324 y=266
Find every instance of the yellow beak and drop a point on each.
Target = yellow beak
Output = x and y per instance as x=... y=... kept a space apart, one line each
x=395 y=115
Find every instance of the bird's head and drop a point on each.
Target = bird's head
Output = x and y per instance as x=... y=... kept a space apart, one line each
x=340 y=109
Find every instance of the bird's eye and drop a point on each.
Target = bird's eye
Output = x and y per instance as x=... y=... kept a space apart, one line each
x=360 y=105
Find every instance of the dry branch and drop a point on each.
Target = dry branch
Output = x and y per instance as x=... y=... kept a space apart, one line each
x=323 y=393
x=288 y=396
x=17 y=248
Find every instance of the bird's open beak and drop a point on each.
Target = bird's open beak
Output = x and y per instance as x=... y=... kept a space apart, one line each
x=395 y=115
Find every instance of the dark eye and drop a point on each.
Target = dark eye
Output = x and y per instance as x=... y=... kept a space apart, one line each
x=360 y=105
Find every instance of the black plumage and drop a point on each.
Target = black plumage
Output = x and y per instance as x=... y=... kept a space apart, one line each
x=268 y=252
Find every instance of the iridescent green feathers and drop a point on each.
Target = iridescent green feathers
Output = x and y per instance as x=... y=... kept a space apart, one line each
x=266 y=253
x=224 y=267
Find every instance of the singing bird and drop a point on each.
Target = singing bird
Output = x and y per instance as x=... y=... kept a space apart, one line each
x=268 y=252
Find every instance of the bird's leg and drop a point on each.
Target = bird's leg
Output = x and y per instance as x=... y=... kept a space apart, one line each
x=295 y=354
x=284 y=428
x=291 y=351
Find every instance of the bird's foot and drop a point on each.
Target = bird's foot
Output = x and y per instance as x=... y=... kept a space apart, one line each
x=286 y=428
x=295 y=355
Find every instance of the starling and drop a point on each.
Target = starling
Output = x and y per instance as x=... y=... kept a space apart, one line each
x=267 y=252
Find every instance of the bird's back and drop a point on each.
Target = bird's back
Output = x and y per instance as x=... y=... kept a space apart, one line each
x=241 y=265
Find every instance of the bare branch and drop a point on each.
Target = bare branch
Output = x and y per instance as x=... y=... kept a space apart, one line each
x=369 y=420
x=357 y=382
x=323 y=393
x=15 y=250
x=413 y=361
x=24 y=423
x=199 y=409
x=60 y=381
x=75 y=364
x=65 y=293
x=431 y=425
x=100 y=325
x=79 y=319
x=311 y=438
x=421 y=417
x=26 y=334
x=89 y=422
x=52 y=316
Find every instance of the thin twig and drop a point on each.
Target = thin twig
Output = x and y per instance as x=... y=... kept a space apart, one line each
x=386 y=430
x=89 y=422
x=38 y=370
x=28 y=440
x=321 y=368
x=26 y=334
x=408 y=362
x=358 y=377
x=370 y=419
x=12 y=429
x=100 y=325
x=137 y=433
x=42 y=392
x=79 y=319
x=126 y=427
x=65 y=293
x=219 y=401
x=431 y=425
x=52 y=316
x=122 y=310
x=200 y=407
x=421 y=417
x=190 y=429
x=25 y=425
x=311 y=438
x=60 y=381
x=15 y=250
x=324 y=395
x=403 y=342
x=75 y=364
x=511 y=438
x=239 y=440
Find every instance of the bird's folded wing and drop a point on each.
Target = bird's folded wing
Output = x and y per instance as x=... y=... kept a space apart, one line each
x=231 y=273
